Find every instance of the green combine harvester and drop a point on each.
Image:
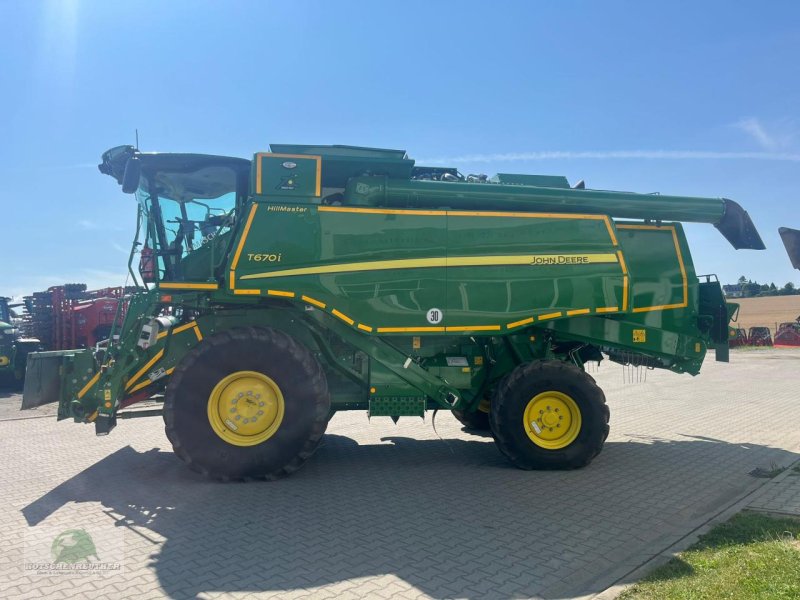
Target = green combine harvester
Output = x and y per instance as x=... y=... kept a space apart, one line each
x=316 y=279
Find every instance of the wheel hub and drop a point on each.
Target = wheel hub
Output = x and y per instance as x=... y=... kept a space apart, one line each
x=552 y=420
x=245 y=408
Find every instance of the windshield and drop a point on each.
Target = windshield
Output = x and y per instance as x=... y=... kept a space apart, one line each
x=185 y=212
x=188 y=225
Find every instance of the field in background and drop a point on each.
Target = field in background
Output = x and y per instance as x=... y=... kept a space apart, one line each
x=766 y=312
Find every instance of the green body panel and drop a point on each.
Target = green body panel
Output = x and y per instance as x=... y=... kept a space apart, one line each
x=413 y=294
x=386 y=270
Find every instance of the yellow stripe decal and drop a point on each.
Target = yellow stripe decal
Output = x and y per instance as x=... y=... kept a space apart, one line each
x=554 y=315
x=139 y=386
x=527 y=215
x=197 y=333
x=462 y=213
x=311 y=300
x=144 y=384
x=319 y=176
x=232 y=280
x=608 y=309
x=683 y=267
x=379 y=211
x=93 y=417
x=343 y=317
x=88 y=385
x=246 y=292
x=280 y=293
x=142 y=371
x=188 y=325
x=473 y=328
x=246 y=231
x=622 y=264
x=647 y=227
x=364 y=327
x=625 y=292
x=519 y=323
x=660 y=307
x=170 y=285
x=578 y=311
x=408 y=329
x=444 y=261
x=177 y=329
x=610 y=228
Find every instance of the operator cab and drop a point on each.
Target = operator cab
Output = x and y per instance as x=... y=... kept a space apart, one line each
x=188 y=205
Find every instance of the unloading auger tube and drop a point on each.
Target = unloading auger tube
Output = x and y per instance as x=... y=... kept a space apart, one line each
x=314 y=279
x=791 y=240
x=726 y=215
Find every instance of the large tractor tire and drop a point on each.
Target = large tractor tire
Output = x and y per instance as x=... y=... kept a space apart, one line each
x=549 y=415
x=248 y=403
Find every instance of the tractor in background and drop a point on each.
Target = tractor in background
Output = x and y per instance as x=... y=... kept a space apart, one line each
x=14 y=349
x=737 y=337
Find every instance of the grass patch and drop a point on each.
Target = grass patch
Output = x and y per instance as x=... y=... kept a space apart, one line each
x=751 y=557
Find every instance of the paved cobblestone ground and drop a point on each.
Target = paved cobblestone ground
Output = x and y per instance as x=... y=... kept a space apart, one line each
x=781 y=495
x=397 y=511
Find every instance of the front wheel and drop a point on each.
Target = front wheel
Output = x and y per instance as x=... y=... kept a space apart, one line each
x=549 y=415
x=475 y=421
x=247 y=403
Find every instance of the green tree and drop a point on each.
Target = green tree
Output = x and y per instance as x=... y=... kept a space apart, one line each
x=751 y=289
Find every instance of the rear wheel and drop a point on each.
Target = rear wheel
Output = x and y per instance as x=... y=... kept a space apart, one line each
x=549 y=415
x=247 y=403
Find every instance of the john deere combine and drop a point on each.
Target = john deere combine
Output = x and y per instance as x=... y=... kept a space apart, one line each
x=316 y=279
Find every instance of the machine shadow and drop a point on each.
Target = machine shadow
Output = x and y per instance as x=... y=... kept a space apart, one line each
x=449 y=517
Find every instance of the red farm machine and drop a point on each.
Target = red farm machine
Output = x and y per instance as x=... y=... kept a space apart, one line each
x=69 y=317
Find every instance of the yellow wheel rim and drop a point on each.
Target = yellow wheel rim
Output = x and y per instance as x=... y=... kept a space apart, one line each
x=245 y=408
x=552 y=420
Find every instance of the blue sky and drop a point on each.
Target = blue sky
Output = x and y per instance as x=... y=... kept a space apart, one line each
x=677 y=97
